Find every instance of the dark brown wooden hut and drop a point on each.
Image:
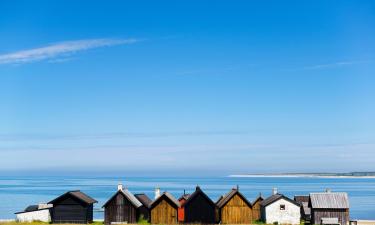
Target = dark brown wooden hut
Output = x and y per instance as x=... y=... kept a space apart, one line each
x=256 y=208
x=329 y=206
x=122 y=207
x=164 y=209
x=199 y=208
x=234 y=208
x=72 y=207
x=303 y=200
x=144 y=210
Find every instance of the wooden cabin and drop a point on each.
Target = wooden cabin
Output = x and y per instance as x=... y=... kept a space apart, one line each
x=72 y=207
x=303 y=200
x=329 y=208
x=122 y=207
x=181 y=210
x=256 y=212
x=164 y=209
x=199 y=208
x=281 y=210
x=234 y=208
x=144 y=210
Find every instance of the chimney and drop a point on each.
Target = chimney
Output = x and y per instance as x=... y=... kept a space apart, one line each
x=157 y=192
x=119 y=187
x=328 y=190
x=274 y=191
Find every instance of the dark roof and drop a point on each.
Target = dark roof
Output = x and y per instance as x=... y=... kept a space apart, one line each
x=128 y=195
x=225 y=199
x=144 y=199
x=169 y=197
x=301 y=198
x=198 y=191
x=32 y=208
x=260 y=198
x=329 y=200
x=77 y=194
x=274 y=198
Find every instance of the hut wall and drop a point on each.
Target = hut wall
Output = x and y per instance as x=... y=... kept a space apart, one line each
x=236 y=211
x=256 y=212
x=70 y=210
x=145 y=212
x=291 y=214
x=163 y=213
x=199 y=210
x=120 y=210
x=181 y=211
x=341 y=214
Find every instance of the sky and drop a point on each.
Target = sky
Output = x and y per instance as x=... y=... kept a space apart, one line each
x=187 y=87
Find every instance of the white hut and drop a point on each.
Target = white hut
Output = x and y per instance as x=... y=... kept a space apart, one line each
x=32 y=213
x=280 y=209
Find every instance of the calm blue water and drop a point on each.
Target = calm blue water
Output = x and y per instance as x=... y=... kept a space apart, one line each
x=18 y=192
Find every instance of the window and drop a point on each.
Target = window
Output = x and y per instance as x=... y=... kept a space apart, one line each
x=282 y=207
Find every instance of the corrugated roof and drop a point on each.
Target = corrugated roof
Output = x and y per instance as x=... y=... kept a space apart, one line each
x=329 y=200
x=144 y=199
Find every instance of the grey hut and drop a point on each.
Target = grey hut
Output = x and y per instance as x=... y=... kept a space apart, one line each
x=329 y=208
x=72 y=207
x=122 y=207
x=144 y=210
x=303 y=200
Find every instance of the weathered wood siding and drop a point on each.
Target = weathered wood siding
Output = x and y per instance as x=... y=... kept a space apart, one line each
x=70 y=210
x=181 y=211
x=163 y=213
x=256 y=212
x=120 y=209
x=341 y=214
x=199 y=210
x=144 y=212
x=236 y=211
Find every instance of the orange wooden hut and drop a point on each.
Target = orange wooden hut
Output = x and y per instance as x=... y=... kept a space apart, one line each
x=181 y=210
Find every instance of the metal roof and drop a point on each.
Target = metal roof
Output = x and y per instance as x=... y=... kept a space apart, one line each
x=329 y=200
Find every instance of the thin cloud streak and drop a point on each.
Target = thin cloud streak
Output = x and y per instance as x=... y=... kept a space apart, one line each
x=336 y=64
x=66 y=48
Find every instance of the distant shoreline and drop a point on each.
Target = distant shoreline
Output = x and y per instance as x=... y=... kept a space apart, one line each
x=311 y=175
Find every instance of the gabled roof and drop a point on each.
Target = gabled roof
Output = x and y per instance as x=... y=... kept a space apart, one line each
x=168 y=197
x=329 y=200
x=226 y=198
x=128 y=195
x=260 y=198
x=76 y=194
x=144 y=199
x=276 y=197
x=184 y=196
x=198 y=191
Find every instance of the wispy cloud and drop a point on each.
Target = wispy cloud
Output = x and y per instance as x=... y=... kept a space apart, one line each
x=62 y=49
x=336 y=64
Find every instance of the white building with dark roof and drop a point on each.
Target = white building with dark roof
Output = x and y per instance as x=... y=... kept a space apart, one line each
x=40 y=212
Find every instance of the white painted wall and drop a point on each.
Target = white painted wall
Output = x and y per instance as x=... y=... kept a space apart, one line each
x=41 y=215
x=291 y=214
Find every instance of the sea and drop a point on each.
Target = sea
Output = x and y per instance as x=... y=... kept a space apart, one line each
x=17 y=192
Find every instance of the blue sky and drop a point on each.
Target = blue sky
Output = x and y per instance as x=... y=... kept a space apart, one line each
x=187 y=86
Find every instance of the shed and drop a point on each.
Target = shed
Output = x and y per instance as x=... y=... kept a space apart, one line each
x=181 y=211
x=256 y=208
x=72 y=207
x=40 y=212
x=234 y=208
x=121 y=207
x=280 y=209
x=144 y=210
x=303 y=200
x=326 y=205
x=199 y=208
x=164 y=209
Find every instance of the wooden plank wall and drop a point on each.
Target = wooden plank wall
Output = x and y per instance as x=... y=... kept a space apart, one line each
x=163 y=213
x=236 y=211
x=341 y=214
x=120 y=210
x=256 y=211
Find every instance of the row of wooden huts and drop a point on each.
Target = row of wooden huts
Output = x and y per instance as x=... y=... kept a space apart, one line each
x=326 y=208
